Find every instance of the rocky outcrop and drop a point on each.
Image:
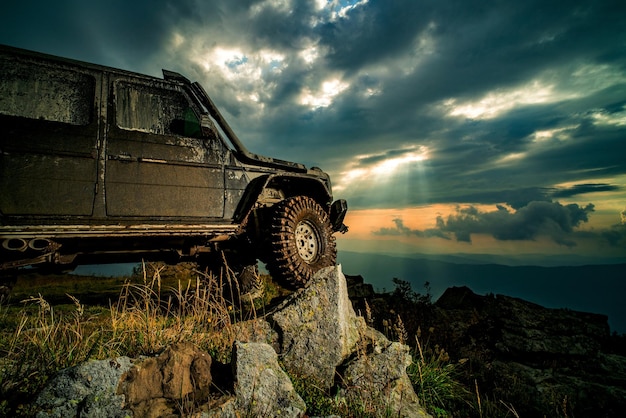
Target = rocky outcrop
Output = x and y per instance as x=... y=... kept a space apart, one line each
x=322 y=339
x=527 y=331
x=314 y=331
x=540 y=360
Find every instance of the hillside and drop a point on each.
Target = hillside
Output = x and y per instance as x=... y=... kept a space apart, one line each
x=463 y=354
x=589 y=288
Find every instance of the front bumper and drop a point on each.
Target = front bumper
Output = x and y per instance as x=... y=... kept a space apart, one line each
x=338 y=211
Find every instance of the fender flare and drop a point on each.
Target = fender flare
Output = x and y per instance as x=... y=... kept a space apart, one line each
x=291 y=184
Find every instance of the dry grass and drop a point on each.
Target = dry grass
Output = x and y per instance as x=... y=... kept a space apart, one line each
x=147 y=317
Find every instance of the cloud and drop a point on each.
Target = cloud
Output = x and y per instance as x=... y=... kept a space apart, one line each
x=404 y=103
x=394 y=67
x=400 y=229
x=583 y=189
x=537 y=219
x=616 y=236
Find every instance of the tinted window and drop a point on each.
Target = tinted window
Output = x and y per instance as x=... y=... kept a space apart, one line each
x=41 y=92
x=155 y=110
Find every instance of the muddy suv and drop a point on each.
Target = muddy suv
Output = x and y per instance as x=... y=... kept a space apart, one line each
x=102 y=165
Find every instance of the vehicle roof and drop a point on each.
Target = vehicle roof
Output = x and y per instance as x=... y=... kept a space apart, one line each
x=40 y=56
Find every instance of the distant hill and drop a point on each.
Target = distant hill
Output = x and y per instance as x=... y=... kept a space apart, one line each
x=589 y=288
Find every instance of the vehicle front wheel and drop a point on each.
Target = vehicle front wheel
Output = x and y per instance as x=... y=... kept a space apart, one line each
x=301 y=241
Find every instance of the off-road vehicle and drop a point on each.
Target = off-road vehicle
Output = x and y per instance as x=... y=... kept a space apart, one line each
x=103 y=165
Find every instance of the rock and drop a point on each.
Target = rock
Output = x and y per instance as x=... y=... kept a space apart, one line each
x=540 y=360
x=262 y=388
x=460 y=297
x=532 y=330
x=377 y=376
x=86 y=390
x=181 y=371
x=257 y=331
x=357 y=288
x=317 y=335
x=318 y=327
x=519 y=329
x=324 y=340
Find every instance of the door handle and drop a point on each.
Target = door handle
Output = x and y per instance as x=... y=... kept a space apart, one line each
x=122 y=157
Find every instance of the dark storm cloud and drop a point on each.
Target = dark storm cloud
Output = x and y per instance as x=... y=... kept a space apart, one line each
x=282 y=29
x=578 y=189
x=407 y=67
x=115 y=32
x=458 y=49
x=44 y=26
x=477 y=49
x=478 y=44
x=373 y=33
x=616 y=236
x=530 y=222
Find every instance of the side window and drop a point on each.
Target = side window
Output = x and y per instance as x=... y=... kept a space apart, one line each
x=36 y=91
x=155 y=110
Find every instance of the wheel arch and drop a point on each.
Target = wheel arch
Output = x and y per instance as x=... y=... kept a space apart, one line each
x=290 y=185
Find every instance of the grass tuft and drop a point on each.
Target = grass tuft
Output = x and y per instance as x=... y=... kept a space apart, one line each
x=147 y=316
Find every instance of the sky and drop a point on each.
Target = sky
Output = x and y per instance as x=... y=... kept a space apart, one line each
x=459 y=126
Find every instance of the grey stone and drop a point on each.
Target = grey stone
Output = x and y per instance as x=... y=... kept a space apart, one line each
x=318 y=327
x=377 y=376
x=262 y=388
x=86 y=390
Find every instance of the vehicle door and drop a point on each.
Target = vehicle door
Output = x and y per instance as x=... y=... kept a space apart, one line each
x=48 y=137
x=159 y=163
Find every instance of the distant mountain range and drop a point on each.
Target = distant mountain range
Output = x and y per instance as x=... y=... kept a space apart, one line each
x=543 y=260
x=599 y=288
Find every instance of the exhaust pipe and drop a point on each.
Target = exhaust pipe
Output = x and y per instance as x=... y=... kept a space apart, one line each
x=39 y=244
x=15 y=244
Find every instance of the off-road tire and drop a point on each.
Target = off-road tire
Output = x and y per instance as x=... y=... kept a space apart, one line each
x=301 y=241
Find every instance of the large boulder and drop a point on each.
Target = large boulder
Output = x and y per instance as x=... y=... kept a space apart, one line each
x=321 y=339
x=318 y=327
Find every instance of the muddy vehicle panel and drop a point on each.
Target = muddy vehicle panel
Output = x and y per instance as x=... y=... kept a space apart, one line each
x=154 y=138
x=43 y=107
x=103 y=165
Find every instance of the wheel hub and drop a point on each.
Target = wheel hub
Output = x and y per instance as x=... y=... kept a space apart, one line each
x=307 y=241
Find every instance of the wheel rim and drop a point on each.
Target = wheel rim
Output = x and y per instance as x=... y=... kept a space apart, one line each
x=307 y=241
